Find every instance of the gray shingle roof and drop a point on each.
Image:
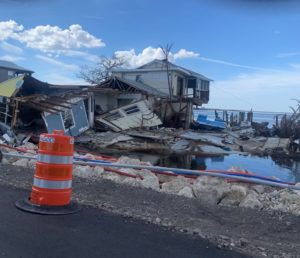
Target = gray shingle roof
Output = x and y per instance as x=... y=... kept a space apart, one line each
x=10 y=65
x=177 y=67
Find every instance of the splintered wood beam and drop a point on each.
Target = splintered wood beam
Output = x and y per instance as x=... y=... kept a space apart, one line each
x=65 y=100
x=50 y=102
x=15 y=115
x=44 y=106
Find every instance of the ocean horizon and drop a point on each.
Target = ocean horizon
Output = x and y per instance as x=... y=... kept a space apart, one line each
x=258 y=116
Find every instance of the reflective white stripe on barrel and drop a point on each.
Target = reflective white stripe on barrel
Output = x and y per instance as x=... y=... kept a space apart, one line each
x=54 y=159
x=52 y=184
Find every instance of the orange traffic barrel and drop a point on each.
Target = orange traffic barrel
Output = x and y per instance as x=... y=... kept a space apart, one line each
x=52 y=182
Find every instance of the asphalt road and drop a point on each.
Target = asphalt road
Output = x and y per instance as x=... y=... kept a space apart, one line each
x=90 y=233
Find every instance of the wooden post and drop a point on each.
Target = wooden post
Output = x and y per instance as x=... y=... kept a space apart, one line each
x=15 y=114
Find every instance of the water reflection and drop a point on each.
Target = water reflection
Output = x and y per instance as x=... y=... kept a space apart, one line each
x=284 y=169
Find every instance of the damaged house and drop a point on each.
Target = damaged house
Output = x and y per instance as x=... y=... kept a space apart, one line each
x=28 y=105
x=166 y=91
x=9 y=70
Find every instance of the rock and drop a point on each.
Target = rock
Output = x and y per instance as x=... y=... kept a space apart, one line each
x=83 y=171
x=29 y=146
x=157 y=220
x=21 y=163
x=251 y=201
x=175 y=185
x=132 y=181
x=151 y=182
x=187 y=192
x=258 y=188
x=112 y=176
x=297 y=191
x=98 y=170
x=129 y=161
x=210 y=189
x=88 y=156
x=5 y=161
x=234 y=196
x=31 y=163
x=144 y=172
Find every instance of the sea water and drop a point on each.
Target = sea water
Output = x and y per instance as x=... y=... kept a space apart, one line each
x=258 y=116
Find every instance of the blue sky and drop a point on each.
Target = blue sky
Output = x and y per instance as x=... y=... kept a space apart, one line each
x=251 y=49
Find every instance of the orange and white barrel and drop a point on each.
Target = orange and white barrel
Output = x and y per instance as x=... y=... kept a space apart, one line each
x=52 y=183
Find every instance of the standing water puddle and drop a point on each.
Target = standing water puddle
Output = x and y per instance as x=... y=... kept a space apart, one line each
x=284 y=169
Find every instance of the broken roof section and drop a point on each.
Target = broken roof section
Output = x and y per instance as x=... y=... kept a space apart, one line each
x=158 y=65
x=40 y=95
x=48 y=97
x=10 y=87
x=12 y=66
x=122 y=84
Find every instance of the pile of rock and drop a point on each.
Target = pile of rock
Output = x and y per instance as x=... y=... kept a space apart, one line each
x=209 y=190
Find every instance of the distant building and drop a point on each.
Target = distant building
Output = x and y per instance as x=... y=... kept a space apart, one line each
x=9 y=70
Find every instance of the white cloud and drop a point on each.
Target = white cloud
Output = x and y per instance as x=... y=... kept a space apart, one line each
x=56 y=40
x=11 y=58
x=183 y=53
x=60 y=64
x=8 y=29
x=150 y=53
x=7 y=47
x=50 y=39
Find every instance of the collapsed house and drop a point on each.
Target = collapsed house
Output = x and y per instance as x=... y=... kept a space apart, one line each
x=29 y=105
x=155 y=94
x=167 y=90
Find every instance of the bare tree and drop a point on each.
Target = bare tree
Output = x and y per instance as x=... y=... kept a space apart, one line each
x=102 y=70
x=166 y=51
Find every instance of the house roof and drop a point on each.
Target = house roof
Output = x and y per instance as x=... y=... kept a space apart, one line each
x=172 y=67
x=12 y=66
x=116 y=82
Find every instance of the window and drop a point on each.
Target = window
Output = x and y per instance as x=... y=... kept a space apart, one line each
x=204 y=85
x=68 y=118
x=131 y=110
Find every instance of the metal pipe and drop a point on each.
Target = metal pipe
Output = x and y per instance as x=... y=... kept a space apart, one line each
x=184 y=171
x=174 y=170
